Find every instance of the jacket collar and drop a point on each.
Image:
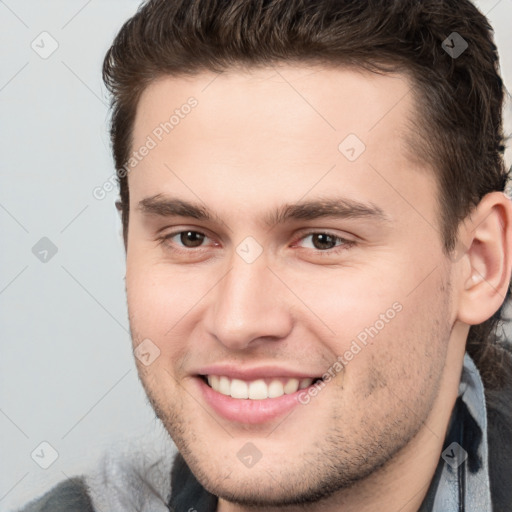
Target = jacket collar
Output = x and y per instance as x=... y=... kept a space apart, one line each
x=461 y=480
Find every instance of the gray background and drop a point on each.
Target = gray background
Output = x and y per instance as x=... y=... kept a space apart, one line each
x=67 y=375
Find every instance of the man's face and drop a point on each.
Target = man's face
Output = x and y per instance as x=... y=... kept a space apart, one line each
x=263 y=296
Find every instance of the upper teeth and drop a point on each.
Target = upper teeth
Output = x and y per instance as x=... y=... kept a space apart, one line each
x=256 y=389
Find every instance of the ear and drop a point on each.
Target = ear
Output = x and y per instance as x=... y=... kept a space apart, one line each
x=486 y=265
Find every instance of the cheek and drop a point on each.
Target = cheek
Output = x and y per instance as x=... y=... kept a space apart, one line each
x=387 y=326
x=405 y=359
x=346 y=304
x=150 y=302
x=154 y=307
x=161 y=303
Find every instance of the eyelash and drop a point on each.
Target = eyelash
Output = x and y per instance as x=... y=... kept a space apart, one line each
x=344 y=243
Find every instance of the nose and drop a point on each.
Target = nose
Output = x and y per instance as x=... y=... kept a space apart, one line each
x=250 y=306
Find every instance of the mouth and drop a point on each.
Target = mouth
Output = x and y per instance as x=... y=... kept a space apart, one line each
x=258 y=389
x=253 y=402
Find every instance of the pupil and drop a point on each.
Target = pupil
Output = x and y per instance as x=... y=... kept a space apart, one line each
x=324 y=241
x=191 y=238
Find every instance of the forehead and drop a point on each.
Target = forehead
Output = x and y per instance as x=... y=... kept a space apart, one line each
x=283 y=126
x=334 y=100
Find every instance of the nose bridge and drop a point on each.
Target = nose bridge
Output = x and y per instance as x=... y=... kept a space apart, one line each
x=247 y=305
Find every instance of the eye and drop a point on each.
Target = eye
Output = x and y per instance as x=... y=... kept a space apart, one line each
x=189 y=239
x=186 y=241
x=323 y=242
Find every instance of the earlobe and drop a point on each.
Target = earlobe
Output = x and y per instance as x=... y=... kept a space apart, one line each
x=488 y=259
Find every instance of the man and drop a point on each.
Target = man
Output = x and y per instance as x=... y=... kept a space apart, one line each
x=318 y=250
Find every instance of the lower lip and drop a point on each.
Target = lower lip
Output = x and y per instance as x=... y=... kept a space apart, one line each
x=249 y=411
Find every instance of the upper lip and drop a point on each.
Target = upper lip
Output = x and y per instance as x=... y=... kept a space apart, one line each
x=258 y=372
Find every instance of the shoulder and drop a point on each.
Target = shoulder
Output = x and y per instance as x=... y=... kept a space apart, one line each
x=499 y=401
x=132 y=482
x=68 y=496
x=132 y=475
x=499 y=434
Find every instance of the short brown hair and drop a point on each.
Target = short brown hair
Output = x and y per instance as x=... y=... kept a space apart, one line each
x=459 y=98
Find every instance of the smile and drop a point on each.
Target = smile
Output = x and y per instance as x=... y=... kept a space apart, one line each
x=257 y=401
x=259 y=389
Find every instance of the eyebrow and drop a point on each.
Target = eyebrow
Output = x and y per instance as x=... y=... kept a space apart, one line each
x=335 y=207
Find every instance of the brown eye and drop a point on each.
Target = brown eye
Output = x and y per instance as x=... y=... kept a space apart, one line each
x=191 y=238
x=322 y=241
